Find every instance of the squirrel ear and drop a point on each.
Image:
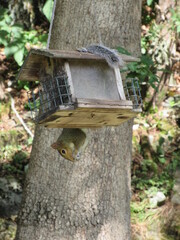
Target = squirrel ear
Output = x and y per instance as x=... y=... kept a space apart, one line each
x=55 y=145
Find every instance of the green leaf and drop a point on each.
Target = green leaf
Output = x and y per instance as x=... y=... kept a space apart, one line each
x=47 y=9
x=178 y=29
x=146 y=59
x=162 y=159
x=30 y=140
x=132 y=66
x=8 y=19
x=17 y=31
x=11 y=49
x=3 y=12
x=43 y=38
x=149 y=2
x=17 y=27
x=4 y=37
x=161 y=141
x=18 y=56
x=123 y=51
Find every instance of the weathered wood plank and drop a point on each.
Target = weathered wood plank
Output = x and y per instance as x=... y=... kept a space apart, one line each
x=90 y=103
x=98 y=106
x=36 y=58
x=122 y=111
x=56 y=125
x=104 y=101
x=119 y=83
x=87 y=119
x=76 y=55
x=70 y=81
x=82 y=125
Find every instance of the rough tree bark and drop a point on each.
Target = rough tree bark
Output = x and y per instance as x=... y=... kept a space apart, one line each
x=27 y=12
x=89 y=199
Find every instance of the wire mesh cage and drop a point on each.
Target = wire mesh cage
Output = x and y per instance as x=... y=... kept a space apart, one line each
x=53 y=92
x=132 y=92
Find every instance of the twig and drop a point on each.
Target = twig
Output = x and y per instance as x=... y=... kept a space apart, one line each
x=20 y=119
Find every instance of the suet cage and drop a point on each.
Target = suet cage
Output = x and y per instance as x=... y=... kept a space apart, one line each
x=132 y=92
x=53 y=93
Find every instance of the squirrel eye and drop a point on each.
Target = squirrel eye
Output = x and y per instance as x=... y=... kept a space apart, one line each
x=63 y=151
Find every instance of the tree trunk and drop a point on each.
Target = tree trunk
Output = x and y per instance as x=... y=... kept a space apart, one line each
x=88 y=199
x=169 y=36
x=27 y=12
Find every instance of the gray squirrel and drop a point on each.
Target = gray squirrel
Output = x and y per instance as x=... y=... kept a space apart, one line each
x=71 y=143
x=111 y=55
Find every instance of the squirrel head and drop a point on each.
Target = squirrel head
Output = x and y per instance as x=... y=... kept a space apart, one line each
x=67 y=150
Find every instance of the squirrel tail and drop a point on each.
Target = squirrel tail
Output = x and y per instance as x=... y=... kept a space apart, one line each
x=112 y=57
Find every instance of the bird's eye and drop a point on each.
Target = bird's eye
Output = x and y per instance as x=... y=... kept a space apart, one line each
x=63 y=151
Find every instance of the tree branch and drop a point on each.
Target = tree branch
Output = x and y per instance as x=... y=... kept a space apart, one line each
x=20 y=119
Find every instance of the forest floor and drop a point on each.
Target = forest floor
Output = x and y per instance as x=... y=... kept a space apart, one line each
x=156 y=155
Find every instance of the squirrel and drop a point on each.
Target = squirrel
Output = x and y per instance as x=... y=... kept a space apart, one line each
x=71 y=143
x=111 y=55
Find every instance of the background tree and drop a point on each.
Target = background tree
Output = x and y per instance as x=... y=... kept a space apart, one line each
x=160 y=34
x=89 y=199
x=28 y=12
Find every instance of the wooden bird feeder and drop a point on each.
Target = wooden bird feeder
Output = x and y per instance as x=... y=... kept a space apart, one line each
x=79 y=90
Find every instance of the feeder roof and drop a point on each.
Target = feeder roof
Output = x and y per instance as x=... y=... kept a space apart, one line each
x=35 y=59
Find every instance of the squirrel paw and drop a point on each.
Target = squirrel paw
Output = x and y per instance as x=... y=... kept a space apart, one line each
x=83 y=49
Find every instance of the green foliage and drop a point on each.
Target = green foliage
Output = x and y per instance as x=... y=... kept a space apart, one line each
x=175 y=19
x=7 y=229
x=149 y=2
x=19 y=157
x=26 y=85
x=155 y=52
x=47 y=9
x=159 y=158
x=29 y=141
x=149 y=164
x=123 y=51
x=23 y=85
x=140 y=211
x=157 y=172
x=160 y=151
x=7 y=152
x=19 y=160
x=9 y=168
x=175 y=102
x=148 y=11
x=144 y=70
x=155 y=45
x=153 y=110
x=16 y=40
x=32 y=106
x=152 y=3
